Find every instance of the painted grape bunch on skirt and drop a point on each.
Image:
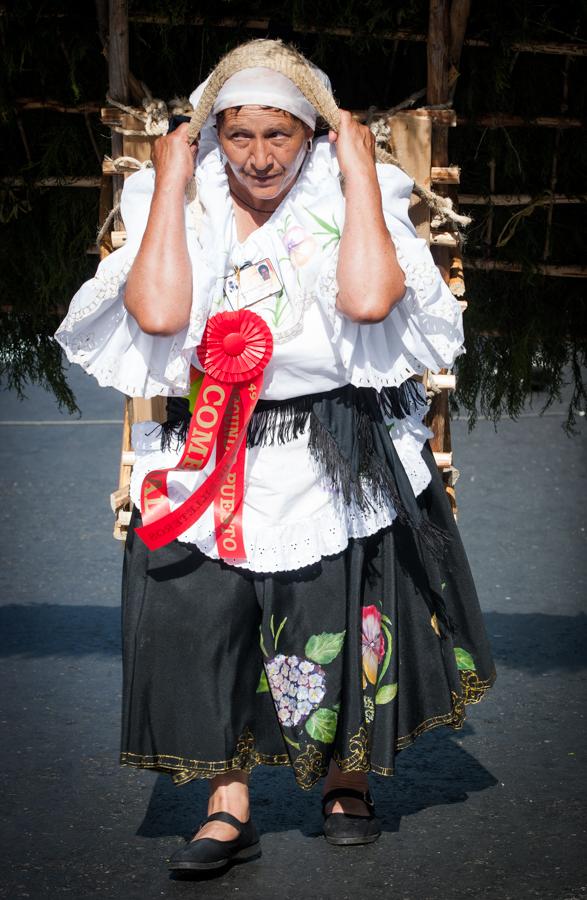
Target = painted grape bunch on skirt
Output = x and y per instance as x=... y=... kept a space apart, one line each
x=297 y=685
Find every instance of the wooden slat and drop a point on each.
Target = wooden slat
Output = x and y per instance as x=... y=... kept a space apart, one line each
x=118 y=239
x=75 y=181
x=148 y=410
x=499 y=265
x=137 y=146
x=507 y=120
x=120 y=498
x=444 y=118
x=446 y=382
x=519 y=199
x=411 y=137
x=445 y=174
x=28 y=103
x=124 y=473
x=443 y=239
x=443 y=460
x=111 y=115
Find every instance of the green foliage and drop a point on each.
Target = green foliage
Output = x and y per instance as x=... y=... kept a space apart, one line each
x=522 y=334
x=323 y=648
x=43 y=261
x=464 y=660
x=322 y=725
x=518 y=327
x=386 y=694
x=28 y=355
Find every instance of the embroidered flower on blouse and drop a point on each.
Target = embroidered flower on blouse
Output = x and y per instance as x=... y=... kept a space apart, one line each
x=372 y=642
x=297 y=685
x=300 y=246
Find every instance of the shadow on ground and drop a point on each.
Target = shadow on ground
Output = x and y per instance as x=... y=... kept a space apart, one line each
x=532 y=642
x=436 y=772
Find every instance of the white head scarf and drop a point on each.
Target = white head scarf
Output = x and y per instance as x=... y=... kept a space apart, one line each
x=259 y=86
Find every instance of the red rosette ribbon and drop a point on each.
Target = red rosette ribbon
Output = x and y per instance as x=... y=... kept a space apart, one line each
x=235 y=346
x=235 y=349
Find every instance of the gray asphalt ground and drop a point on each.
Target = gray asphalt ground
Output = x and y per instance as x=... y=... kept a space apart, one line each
x=493 y=811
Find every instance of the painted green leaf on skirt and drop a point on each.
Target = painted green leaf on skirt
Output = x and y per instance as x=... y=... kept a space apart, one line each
x=387 y=657
x=322 y=725
x=323 y=648
x=386 y=693
x=464 y=659
x=263 y=684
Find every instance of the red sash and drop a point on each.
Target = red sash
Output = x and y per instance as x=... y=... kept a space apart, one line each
x=235 y=349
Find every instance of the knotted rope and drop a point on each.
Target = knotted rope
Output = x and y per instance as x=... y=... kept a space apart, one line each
x=155 y=117
x=269 y=54
x=120 y=164
x=274 y=54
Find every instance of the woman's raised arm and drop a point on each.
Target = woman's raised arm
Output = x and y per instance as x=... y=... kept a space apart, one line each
x=159 y=286
x=369 y=277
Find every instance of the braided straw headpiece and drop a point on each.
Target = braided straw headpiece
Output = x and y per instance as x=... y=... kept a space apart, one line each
x=285 y=59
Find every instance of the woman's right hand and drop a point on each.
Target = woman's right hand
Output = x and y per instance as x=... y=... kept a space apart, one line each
x=173 y=157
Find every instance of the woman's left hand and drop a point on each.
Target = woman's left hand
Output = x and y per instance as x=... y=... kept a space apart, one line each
x=355 y=146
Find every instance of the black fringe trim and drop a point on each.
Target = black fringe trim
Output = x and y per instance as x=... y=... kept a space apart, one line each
x=280 y=421
x=405 y=400
x=349 y=474
x=177 y=425
x=365 y=455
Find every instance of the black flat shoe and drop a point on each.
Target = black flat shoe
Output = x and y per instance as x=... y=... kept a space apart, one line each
x=347 y=828
x=210 y=853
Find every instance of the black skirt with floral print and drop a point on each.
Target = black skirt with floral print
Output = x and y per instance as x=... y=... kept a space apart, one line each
x=351 y=658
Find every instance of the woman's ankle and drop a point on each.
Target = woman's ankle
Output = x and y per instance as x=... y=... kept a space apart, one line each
x=335 y=778
x=230 y=793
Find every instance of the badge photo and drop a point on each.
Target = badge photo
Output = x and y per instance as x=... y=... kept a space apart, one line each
x=252 y=283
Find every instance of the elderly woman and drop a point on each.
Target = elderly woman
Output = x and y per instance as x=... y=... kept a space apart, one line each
x=304 y=598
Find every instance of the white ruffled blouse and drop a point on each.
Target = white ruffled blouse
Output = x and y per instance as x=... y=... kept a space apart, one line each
x=291 y=516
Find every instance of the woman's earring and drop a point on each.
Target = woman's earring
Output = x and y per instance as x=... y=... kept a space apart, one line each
x=309 y=145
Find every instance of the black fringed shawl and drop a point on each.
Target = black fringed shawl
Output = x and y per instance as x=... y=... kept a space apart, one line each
x=348 y=438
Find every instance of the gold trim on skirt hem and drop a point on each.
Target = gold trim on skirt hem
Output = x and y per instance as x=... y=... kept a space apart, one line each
x=312 y=763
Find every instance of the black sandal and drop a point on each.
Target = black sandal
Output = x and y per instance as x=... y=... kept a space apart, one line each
x=210 y=853
x=348 y=828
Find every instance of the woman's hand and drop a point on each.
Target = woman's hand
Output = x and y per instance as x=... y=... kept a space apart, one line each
x=173 y=157
x=355 y=146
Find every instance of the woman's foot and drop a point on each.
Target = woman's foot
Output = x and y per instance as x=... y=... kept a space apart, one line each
x=232 y=837
x=228 y=793
x=356 y=781
x=348 y=819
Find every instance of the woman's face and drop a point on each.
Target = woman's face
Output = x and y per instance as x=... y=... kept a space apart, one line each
x=265 y=148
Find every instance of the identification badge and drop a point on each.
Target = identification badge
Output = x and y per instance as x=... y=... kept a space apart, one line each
x=251 y=283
